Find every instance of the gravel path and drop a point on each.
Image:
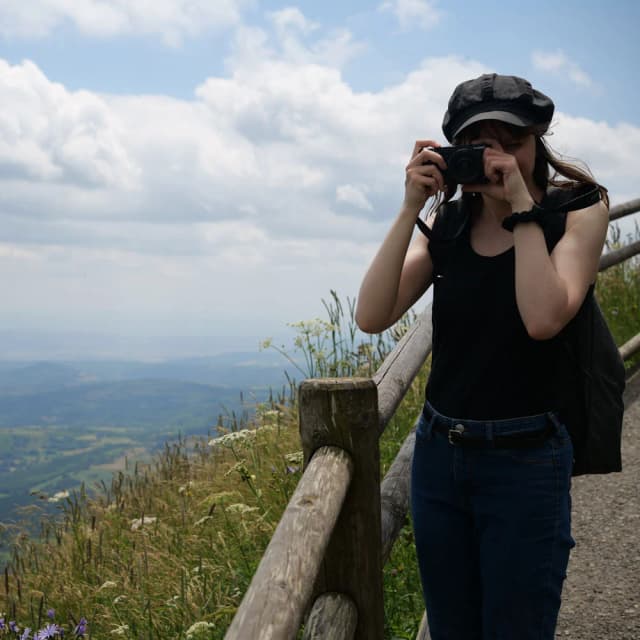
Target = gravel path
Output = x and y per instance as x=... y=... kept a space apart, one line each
x=601 y=597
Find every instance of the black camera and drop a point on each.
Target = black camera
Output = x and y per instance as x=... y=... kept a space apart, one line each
x=464 y=163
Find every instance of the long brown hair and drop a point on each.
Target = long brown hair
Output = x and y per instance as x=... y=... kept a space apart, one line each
x=546 y=160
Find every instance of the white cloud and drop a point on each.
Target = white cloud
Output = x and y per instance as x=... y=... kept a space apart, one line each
x=50 y=134
x=354 y=195
x=273 y=185
x=173 y=20
x=557 y=62
x=423 y=14
x=609 y=150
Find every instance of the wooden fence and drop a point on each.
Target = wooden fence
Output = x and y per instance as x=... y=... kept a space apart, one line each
x=326 y=556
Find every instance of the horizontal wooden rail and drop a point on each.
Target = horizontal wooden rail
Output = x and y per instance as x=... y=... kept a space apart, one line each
x=619 y=255
x=630 y=348
x=401 y=366
x=274 y=604
x=625 y=209
x=394 y=495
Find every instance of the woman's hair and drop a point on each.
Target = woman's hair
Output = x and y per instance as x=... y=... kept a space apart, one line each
x=546 y=161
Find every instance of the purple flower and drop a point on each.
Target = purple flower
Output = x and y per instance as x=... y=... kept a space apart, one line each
x=2 y=626
x=13 y=627
x=51 y=614
x=25 y=634
x=81 y=628
x=48 y=632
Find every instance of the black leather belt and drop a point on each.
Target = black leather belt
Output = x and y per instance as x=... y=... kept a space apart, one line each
x=517 y=440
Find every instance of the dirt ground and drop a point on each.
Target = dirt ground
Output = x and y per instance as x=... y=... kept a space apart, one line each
x=601 y=597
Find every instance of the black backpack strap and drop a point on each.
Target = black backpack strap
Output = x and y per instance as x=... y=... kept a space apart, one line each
x=558 y=202
x=424 y=228
x=451 y=219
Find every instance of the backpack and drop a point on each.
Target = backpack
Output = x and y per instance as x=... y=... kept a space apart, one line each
x=591 y=374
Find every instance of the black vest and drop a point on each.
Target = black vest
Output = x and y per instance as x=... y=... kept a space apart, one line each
x=484 y=364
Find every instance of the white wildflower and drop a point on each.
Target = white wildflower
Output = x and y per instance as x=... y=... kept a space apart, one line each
x=230 y=438
x=140 y=522
x=199 y=627
x=239 y=507
x=186 y=488
x=121 y=630
x=294 y=458
x=61 y=495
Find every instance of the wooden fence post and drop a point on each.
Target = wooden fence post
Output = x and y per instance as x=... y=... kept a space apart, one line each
x=344 y=413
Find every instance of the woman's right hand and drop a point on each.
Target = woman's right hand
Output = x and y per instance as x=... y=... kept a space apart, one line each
x=423 y=177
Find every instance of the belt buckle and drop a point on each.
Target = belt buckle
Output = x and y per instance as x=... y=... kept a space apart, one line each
x=458 y=430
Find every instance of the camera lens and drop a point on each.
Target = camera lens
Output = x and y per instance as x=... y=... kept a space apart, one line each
x=466 y=166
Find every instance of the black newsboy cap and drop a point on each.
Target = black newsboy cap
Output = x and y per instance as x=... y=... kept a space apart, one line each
x=494 y=97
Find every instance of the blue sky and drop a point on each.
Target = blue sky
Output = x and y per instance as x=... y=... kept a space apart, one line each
x=198 y=168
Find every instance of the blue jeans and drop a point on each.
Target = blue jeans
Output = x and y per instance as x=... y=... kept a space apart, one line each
x=492 y=529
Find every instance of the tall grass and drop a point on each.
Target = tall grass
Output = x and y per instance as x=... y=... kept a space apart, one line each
x=618 y=291
x=166 y=550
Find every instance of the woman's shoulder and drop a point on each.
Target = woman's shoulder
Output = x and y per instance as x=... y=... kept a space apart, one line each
x=572 y=196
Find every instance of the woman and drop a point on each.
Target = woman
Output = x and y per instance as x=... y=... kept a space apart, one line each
x=492 y=463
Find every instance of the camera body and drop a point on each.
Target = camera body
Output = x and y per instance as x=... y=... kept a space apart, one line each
x=464 y=163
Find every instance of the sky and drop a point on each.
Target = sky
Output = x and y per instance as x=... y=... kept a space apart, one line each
x=216 y=168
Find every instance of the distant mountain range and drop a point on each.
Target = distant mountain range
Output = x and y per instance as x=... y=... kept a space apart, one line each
x=66 y=422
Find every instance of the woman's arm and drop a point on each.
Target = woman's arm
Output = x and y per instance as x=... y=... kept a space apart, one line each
x=399 y=274
x=397 y=277
x=550 y=289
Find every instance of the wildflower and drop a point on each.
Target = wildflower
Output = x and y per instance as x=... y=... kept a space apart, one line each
x=229 y=438
x=199 y=627
x=50 y=631
x=51 y=613
x=139 y=522
x=81 y=628
x=25 y=634
x=294 y=458
x=186 y=489
x=121 y=630
x=13 y=627
x=61 y=495
x=240 y=508
x=2 y=625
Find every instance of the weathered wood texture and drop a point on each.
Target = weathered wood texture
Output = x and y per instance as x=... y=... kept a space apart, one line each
x=344 y=413
x=630 y=348
x=394 y=495
x=625 y=209
x=423 y=631
x=619 y=255
x=402 y=365
x=334 y=617
x=273 y=607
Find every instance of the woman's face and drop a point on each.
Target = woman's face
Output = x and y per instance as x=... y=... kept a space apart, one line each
x=508 y=139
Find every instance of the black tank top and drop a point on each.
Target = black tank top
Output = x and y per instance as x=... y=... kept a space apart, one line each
x=484 y=364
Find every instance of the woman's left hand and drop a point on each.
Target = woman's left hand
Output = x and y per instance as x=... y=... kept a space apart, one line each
x=505 y=180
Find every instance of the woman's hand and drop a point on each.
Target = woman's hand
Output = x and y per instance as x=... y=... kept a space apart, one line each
x=505 y=179
x=423 y=177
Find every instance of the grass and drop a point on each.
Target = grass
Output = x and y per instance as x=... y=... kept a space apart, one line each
x=167 y=549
